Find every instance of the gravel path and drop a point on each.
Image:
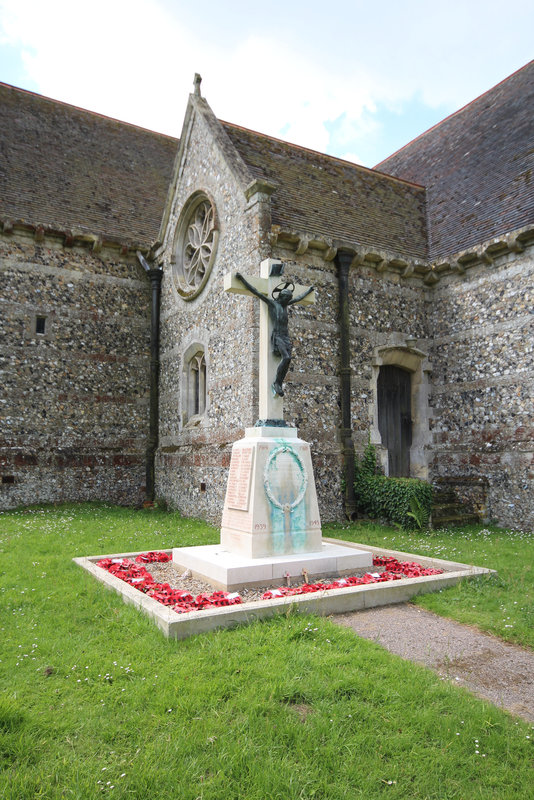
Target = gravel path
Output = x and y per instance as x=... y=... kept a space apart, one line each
x=494 y=670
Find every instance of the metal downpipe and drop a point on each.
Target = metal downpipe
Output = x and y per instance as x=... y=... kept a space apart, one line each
x=343 y=261
x=155 y=276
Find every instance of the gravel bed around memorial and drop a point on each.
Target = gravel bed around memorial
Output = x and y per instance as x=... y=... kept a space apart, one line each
x=166 y=573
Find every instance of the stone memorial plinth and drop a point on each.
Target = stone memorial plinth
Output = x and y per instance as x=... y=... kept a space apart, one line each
x=271 y=503
x=271 y=527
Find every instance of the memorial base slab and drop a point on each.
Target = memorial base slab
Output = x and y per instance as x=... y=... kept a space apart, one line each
x=234 y=571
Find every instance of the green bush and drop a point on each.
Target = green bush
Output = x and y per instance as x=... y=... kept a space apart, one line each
x=403 y=501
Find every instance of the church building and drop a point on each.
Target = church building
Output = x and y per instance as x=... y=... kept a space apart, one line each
x=128 y=371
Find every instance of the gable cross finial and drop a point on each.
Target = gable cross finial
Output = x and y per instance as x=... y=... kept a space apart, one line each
x=196 y=84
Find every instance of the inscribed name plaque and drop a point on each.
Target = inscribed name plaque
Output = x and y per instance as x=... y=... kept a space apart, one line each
x=238 y=489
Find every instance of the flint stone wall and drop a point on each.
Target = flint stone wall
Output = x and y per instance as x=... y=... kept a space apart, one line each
x=383 y=311
x=193 y=458
x=483 y=359
x=74 y=405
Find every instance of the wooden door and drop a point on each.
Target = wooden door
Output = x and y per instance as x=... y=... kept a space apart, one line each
x=395 y=417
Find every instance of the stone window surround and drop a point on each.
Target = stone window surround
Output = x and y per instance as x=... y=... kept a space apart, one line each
x=194 y=351
x=31 y=325
x=184 y=220
x=408 y=357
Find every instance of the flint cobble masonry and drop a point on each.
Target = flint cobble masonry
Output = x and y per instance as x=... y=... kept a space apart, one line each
x=75 y=399
x=75 y=322
x=483 y=385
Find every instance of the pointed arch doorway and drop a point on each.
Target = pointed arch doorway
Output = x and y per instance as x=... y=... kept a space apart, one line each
x=400 y=412
x=394 y=395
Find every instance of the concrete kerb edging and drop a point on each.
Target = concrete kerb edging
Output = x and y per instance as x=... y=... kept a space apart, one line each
x=332 y=601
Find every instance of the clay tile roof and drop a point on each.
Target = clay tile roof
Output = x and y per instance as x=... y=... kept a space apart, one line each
x=477 y=166
x=66 y=168
x=328 y=198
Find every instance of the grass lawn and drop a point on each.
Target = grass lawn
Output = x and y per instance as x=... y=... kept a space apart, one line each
x=502 y=604
x=95 y=701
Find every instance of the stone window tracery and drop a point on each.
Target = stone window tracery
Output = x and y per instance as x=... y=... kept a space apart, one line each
x=194 y=389
x=196 y=245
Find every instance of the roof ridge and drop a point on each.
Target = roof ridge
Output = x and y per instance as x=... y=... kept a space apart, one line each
x=454 y=113
x=372 y=170
x=86 y=111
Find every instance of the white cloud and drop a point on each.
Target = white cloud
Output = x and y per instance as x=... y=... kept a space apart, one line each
x=113 y=57
x=288 y=94
x=135 y=61
x=306 y=72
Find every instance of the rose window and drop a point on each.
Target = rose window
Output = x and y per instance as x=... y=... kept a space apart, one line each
x=196 y=246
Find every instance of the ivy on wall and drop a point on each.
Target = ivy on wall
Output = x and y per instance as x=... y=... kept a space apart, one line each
x=402 y=501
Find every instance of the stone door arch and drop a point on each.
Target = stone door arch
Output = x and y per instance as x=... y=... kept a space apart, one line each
x=401 y=432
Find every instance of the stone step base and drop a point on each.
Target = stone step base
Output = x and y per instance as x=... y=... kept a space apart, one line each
x=457 y=501
x=233 y=571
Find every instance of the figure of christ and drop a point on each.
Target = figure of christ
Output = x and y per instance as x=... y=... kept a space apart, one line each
x=278 y=314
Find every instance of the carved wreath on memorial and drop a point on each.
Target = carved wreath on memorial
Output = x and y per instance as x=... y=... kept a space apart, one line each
x=272 y=490
x=196 y=246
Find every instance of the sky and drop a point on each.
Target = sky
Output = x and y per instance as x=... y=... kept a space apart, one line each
x=357 y=80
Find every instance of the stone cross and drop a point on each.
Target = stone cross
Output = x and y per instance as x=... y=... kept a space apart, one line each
x=271 y=404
